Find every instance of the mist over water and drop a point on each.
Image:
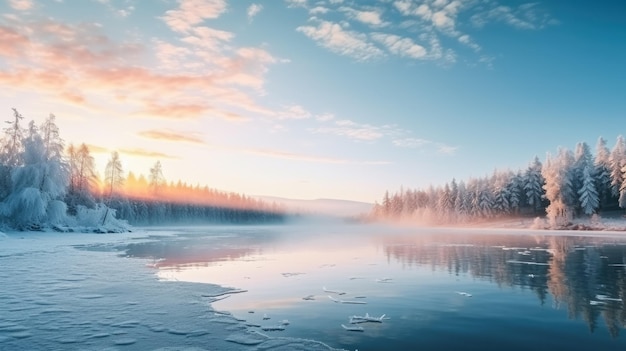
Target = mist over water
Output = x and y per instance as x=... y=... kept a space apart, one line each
x=440 y=288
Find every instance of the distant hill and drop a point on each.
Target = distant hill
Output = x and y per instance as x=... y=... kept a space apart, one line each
x=333 y=207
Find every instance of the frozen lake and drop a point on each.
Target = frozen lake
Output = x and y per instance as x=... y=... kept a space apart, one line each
x=437 y=289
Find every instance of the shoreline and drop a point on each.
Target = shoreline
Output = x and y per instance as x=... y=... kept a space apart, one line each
x=80 y=291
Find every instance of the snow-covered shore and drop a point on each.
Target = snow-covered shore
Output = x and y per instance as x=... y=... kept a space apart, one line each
x=73 y=291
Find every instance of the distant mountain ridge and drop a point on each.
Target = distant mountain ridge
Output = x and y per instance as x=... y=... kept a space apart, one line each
x=333 y=207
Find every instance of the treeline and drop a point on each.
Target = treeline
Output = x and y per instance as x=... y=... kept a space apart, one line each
x=566 y=185
x=42 y=184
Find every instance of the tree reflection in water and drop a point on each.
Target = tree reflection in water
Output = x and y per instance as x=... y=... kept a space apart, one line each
x=585 y=275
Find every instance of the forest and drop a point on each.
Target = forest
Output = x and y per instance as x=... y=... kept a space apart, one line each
x=43 y=184
x=565 y=186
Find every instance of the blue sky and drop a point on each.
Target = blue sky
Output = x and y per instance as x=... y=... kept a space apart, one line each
x=318 y=99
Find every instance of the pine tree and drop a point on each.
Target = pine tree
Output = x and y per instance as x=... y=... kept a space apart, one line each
x=602 y=171
x=534 y=182
x=617 y=160
x=588 y=195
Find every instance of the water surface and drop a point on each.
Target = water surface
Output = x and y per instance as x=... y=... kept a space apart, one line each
x=440 y=289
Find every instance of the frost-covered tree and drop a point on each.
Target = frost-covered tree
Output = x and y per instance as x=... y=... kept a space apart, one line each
x=558 y=186
x=582 y=159
x=514 y=187
x=12 y=144
x=602 y=171
x=114 y=175
x=501 y=194
x=617 y=160
x=156 y=178
x=83 y=178
x=38 y=186
x=461 y=204
x=534 y=182
x=11 y=151
x=588 y=195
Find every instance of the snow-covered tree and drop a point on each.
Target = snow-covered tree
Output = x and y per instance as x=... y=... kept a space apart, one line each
x=617 y=160
x=534 y=182
x=602 y=171
x=12 y=143
x=156 y=178
x=588 y=195
x=514 y=187
x=83 y=178
x=501 y=194
x=114 y=175
x=38 y=186
x=582 y=159
x=557 y=173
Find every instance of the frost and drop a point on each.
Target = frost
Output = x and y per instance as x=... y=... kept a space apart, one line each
x=246 y=339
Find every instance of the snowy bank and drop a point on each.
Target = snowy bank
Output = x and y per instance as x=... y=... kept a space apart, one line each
x=74 y=291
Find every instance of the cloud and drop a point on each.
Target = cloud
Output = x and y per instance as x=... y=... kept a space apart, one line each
x=176 y=111
x=467 y=40
x=138 y=152
x=169 y=135
x=318 y=10
x=294 y=112
x=412 y=143
x=343 y=42
x=447 y=149
x=369 y=17
x=254 y=10
x=325 y=117
x=21 y=5
x=526 y=16
x=296 y=3
x=401 y=46
x=421 y=32
x=203 y=77
x=307 y=158
x=192 y=12
x=423 y=144
x=96 y=149
x=356 y=131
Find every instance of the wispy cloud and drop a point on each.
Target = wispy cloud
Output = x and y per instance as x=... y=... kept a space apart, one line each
x=203 y=74
x=253 y=10
x=21 y=5
x=356 y=131
x=308 y=158
x=401 y=46
x=294 y=112
x=370 y=17
x=447 y=149
x=146 y=153
x=325 y=117
x=97 y=149
x=422 y=34
x=192 y=12
x=343 y=42
x=525 y=16
x=412 y=143
x=425 y=145
x=296 y=3
x=169 y=135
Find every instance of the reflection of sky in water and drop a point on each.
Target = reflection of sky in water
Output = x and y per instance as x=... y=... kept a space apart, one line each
x=540 y=286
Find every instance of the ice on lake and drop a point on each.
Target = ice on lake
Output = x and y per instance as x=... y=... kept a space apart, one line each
x=156 y=289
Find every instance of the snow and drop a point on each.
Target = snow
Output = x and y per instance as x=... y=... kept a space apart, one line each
x=73 y=290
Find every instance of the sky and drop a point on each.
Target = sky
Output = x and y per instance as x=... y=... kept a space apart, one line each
x=315 y=99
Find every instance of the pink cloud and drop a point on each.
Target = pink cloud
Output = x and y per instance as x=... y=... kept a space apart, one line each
x=191 y=12
x=55 y=58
